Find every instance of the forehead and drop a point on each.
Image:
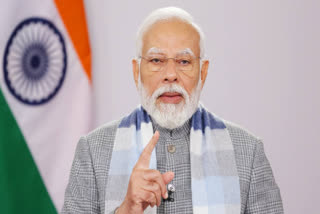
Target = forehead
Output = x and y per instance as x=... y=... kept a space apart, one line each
x=171 y=36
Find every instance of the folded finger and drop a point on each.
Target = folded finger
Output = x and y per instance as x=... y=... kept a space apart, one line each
x=155 y=189
x=155 y=176
x=149 y=197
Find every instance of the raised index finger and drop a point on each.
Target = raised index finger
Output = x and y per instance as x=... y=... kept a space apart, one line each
x=144 y=160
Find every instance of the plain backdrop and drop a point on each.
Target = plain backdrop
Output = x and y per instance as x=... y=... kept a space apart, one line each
x=264 y=75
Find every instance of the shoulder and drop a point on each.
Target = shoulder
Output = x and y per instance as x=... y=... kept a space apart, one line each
x=104 y=133
x=245 y=144
x=247 y=147
x=100 y=141
x=240 y=136
x=98 y=144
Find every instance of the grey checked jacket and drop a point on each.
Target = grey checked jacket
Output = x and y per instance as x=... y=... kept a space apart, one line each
x=85 y=192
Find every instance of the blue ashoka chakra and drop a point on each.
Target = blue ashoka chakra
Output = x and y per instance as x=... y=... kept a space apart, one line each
x=35 y=61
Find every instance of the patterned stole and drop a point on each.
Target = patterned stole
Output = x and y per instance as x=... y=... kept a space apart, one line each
x=215 y=180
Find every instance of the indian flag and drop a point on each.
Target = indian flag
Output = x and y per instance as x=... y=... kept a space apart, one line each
x=45 y=100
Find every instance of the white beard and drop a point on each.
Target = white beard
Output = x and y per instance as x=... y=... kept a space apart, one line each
x=170 y=115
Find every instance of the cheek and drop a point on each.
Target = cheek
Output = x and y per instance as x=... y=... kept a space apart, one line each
x=190 y=84
x=151 y=83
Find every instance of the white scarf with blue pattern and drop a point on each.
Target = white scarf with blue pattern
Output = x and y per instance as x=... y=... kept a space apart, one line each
x=215 y=181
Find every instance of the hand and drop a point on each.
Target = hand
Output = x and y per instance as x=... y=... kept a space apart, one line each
x=146 y=186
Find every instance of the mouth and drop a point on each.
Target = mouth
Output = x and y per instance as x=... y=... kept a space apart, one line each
x=171 y=97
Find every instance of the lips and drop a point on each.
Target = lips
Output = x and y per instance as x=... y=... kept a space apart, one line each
x=171 y=97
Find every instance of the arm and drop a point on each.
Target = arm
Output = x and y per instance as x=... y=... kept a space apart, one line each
x=81 y=195
x=264 y=194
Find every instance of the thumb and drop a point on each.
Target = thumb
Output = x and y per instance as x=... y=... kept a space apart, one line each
x=167 y=177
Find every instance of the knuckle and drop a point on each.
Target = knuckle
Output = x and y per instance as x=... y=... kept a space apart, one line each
x=146 y=196
x=152 y=198
x=156 y=187
x=157 y=172
x=149 y=174
x=163 y=188
x=154 y=203
x=156 y=175
x=159 y=195
x=145 y=174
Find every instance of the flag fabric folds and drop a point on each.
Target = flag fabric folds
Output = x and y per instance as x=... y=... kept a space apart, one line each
x=45 y=101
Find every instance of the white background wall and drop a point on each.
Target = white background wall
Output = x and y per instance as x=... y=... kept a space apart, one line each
x=264 y=74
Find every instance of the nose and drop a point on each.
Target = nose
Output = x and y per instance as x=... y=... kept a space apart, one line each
x=170 y=73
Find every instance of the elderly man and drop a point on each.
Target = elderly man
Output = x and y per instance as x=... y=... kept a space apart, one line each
x=171 y=155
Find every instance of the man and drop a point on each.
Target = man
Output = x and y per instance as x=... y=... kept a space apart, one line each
x=171 y=155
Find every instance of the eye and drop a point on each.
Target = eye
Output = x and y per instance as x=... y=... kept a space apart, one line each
x=184 y=62
x=156 y=60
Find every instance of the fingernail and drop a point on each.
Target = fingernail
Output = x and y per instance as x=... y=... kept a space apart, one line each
x=166 y=196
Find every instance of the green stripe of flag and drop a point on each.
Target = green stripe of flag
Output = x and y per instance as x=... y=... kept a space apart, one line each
x=21 y=187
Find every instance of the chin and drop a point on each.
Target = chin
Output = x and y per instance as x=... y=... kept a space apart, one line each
x=170 y=115
x=163 y=106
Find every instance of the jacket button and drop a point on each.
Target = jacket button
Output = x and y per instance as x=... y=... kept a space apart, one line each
x=171 y=149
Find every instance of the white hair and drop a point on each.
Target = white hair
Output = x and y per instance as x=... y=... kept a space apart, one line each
x=167 y=13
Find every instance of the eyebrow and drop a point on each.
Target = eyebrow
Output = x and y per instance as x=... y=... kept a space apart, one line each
x=186 y=51
x=155 y=50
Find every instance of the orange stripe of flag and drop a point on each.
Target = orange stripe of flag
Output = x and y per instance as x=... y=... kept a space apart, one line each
x=73 y=15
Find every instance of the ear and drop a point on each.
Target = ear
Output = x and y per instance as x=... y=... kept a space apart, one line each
x=204 y=71
x=135 y=70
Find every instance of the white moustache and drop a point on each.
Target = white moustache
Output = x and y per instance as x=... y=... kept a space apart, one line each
x=173 y=88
